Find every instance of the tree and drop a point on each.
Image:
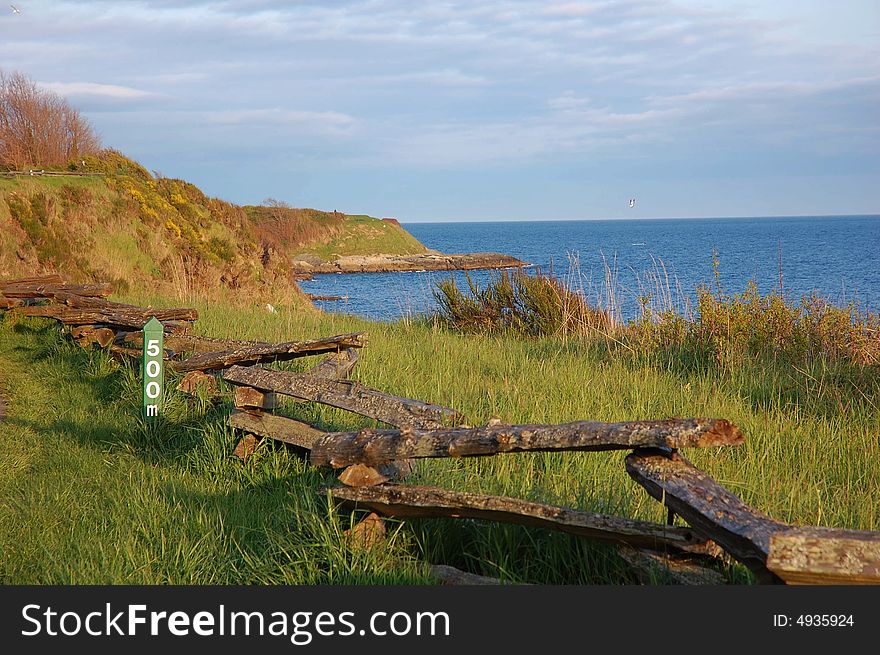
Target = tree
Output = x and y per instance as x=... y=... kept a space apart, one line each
x=39 y=128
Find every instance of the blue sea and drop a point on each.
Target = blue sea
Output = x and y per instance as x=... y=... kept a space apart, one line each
x=836 y=256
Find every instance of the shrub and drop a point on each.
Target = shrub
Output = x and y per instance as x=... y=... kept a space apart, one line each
x=749 y=324
x=282 y=227
x=532 y=305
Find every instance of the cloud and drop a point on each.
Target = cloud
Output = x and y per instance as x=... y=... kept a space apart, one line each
x=75 y=89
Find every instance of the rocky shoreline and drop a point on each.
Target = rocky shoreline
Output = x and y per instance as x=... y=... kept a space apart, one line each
x=430 y=261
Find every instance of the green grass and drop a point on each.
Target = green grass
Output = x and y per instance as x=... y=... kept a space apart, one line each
x=90 y=495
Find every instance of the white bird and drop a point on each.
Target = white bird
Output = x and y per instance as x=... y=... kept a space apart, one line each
x=632 y=202
x=271 y=309
x=15 y=10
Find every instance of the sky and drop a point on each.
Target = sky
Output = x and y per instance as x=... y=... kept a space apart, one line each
x=491 y=110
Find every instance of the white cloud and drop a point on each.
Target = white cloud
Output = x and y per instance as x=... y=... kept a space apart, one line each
x=72 y=89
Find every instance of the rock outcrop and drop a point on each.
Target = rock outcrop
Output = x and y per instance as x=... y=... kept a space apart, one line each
x=430 y=261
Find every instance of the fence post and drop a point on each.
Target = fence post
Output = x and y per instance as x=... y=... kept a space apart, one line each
x=153 y=374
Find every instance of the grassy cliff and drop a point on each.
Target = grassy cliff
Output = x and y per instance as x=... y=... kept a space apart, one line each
x=120 y=224
x=317 y=235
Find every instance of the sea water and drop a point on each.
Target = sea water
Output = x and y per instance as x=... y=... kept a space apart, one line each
x=615 y=262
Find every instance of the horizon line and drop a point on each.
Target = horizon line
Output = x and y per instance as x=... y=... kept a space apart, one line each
x=634 y=218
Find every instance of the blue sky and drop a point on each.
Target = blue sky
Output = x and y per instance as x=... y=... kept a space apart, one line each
x=433 y=111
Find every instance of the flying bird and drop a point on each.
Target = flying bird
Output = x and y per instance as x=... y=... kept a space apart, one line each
x=632 y=202
x=15 y=10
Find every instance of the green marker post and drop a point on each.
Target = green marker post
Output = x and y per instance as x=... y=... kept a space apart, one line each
x=153 y=373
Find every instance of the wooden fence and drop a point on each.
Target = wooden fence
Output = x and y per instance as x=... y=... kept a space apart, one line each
x=373 y=463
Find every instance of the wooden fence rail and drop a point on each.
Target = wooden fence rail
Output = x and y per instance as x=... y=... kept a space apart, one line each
x=409 y=501
x=271 y=352
x=379 y=446
x=720 y=523
x=345 y=394
x=749 y=535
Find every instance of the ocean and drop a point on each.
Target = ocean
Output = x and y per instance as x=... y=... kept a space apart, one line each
x=836 y=256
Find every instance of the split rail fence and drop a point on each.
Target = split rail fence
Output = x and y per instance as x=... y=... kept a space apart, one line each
x=374 y=463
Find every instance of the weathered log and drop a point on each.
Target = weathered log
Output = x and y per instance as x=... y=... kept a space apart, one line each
x=82 y=301
x=171 y=326
x=250 y=398
x=78 y=331
x=272 y=352
x=825 y=556
x=652 y=567
x=55 y=290
x=197 y=383
x=340 y=449
x=9 y=303
x=337 y=366
x=135 y=318
x=51 y=278
x=367 y=533
x=742 y=531
x=86 y=335
x=49 y=311
x=116 y=318
x=406 y=501
x=246 y=447
x=360 y=475
x=276 y=427
x=67 y=297
x=345 y=394
x=64 y=296
x=190 y=343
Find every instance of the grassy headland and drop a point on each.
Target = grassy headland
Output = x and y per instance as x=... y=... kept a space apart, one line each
x=119 y=223
x=329 y=235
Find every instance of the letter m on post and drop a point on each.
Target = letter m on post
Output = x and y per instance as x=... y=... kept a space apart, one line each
x=153 y=369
